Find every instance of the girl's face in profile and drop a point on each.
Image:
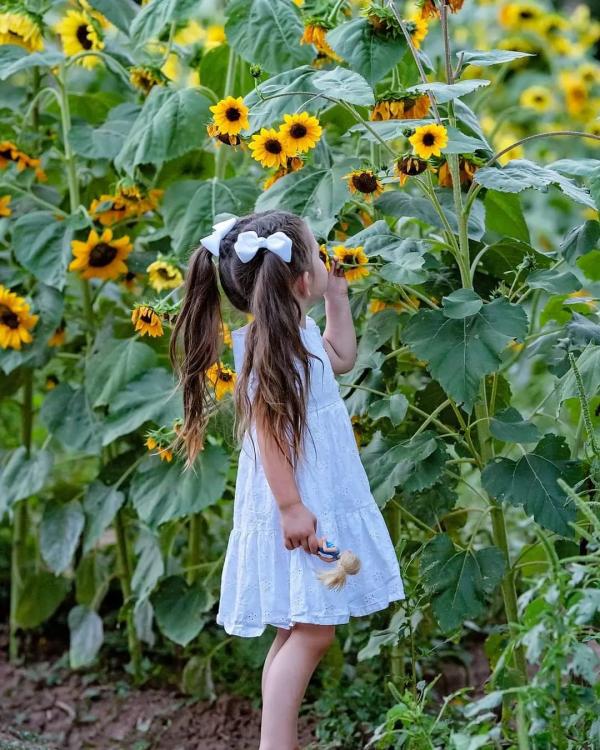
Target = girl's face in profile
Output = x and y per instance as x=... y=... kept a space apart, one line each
x=317 y=279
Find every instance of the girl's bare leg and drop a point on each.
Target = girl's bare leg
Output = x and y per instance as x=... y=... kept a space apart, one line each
x=280 y=638
x=288 y=676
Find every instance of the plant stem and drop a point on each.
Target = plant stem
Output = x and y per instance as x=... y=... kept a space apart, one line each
x=124 y=573
x=194 y=539
x=18 y=550
x=221 y=156
x=397 y=667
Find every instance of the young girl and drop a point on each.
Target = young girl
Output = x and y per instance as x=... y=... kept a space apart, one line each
x=300 y=477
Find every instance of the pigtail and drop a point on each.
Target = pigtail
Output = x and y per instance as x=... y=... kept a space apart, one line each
x=274 y=347
x=346 y=564
x=200 y=324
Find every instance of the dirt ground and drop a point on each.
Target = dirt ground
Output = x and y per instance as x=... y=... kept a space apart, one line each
x=76 y=713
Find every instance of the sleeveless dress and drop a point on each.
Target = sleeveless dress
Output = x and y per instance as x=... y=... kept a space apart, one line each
x=262 y=582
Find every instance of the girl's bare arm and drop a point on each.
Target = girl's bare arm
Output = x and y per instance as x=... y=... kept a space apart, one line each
x=339 y=337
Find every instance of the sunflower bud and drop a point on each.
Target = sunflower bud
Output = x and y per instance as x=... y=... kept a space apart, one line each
x=256 y=71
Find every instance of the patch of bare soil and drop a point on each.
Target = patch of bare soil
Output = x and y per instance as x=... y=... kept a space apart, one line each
x=76 y=714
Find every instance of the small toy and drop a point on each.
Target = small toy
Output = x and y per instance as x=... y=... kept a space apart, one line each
x=347 y=564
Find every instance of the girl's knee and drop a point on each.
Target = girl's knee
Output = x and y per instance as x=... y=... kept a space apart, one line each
x=320 y=637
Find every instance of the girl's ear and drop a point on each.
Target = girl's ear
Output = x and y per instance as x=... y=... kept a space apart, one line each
x=303 y=284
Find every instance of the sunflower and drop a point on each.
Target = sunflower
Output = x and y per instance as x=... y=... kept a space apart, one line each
x=536 y=97
x=164 y=275
x=126 y=202
x=428 y=8
x=409 y=166
x=79 y=32
x=100 y=257
x=355 y=257
x=269 y=148
x=428 y=140
x=575 y=90
x=21 y=28
x=316 y=34
x=146 y=78
x=520 y=16
x=324 y=255
x=222 y=378
x=146 y=321
x=401 y=108
x=58 y=337
x=51 y=382
x=162 y=451
x=16 y=321
x=230 y=115
x=300 y=132
x=466 y=171
x=365 y=182
x=130 y=282
x=417 y=27
x=138 y=202
x=215 y=36
x=294 y=163
x=5 y=209
x=9 y=153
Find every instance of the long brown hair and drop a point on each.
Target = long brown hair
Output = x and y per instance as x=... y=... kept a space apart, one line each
x=275 y=359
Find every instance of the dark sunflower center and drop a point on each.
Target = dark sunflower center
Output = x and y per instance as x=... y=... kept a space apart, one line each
x=365 y=182
x=526 y=14
x=225 y=376
x=8 y=317
x=6 y=154
x=232 y=114
x=348 y=258
x=147 y=316
x=298 y=130
x=129 y=276
x=428 y=139
x=166 y=273
x=273 y=146
x=102 y=254
x=82 y=36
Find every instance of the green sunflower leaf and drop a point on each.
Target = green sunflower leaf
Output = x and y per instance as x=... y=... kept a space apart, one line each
x=42 y=594
x=23 y=476
x=315 y=194
x=42 y=245
x=267 y=32
x=393 y=407
x=68 y=415
x=105 y=141
x=588 y=364
x=170 y=124
x=446 y=92
x=483 y=58
x=531 y=481
x=149 y=567
x=154 y=16
x=461 y=352
x=161 y=491
x=407 y=269
x=580 y=240
x=14 y=59
x=504 y=215
x=413 y=464
x=190 y=206
x=121 y=14
x=554 y=281
x=521 y=174
x=459 y=582
x=87 y=634
x=149 y=397
x=181 y=609
x=116 y=363
x=100 y=504
x=364 y=50
x=510 y=427
x=461 y=304
x=60 y=529
x=345 y=85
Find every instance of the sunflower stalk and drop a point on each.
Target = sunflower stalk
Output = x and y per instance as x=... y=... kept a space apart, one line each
x=21 y=519
x=65 y=114
x=197 y=526
x=221 y=156
x=124 y=574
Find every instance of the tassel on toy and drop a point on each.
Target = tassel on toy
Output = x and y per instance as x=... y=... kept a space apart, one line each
x=346 y=564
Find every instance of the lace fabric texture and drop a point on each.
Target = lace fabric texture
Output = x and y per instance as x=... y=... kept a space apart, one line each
x=262 y=582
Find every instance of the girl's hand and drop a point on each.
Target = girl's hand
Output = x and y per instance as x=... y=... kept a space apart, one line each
x=299 y=526
x=337 y=284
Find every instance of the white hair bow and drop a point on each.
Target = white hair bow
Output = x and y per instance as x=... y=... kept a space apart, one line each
x=249 y=243
x=213 y=241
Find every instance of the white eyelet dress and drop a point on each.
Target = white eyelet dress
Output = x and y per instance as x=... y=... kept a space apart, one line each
x=262 y=582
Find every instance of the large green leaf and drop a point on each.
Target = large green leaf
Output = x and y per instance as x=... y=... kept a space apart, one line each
x=42 y=245
x=505 y=255
x=581 y=240
x=121 y=14
x=149 y=567
x=267 y=32
x=14 y=59
x=115 y=364
x=531 y=481
x=315 y=194
x=554 y=281
x=68 y=415
x=48 y=303
x=87 y=634
x=407 y=269
x=154 y=16
x=190 y=207
x=344 y=84
x=520 y=174
x=180 y=609
x=413 y=464
x=100 y=504
x=106 y=141
x=60 y=529
x=504 y=215
x=393 y=407
x=461 y=352
x=459 y=582
x=510 y=427
x=148 y=398
x=462 y=303
x=170 y=124
x=23 y=476
x=162 y=491
x=483 y=58
x=447 y=92
x=588 y=364
x=364 y=50
x=432 y=504
x=41 y=595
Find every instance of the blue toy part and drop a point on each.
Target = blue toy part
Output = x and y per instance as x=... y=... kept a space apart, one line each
x=329 y=549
